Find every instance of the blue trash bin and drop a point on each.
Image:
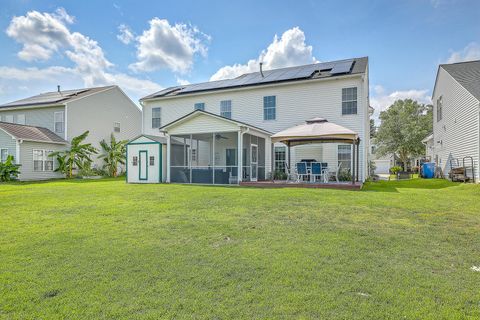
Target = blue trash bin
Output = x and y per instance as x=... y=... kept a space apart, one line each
x=428 y=170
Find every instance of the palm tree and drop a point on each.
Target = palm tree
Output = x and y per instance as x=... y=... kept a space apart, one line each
x=77 y=157
x=114 y=154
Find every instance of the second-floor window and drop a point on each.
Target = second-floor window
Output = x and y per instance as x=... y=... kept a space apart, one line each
x=116 y=126
x=59 y=125
x=199 y=106
x=439 y=109
x=226 y=108
x=156 y=117
x=349 y=100
x=269 y=107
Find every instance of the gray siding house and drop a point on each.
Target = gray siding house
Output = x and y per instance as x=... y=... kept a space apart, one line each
x=67 y=114
x=456 y=114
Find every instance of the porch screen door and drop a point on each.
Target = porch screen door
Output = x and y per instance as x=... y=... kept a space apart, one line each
x=254 y=162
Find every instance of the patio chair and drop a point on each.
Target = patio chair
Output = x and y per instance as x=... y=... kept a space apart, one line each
x=291 y=176
x=335 y=173
x=317 y=171
x=301 y=171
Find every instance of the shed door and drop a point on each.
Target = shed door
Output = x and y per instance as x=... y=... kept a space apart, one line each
x=143 y=165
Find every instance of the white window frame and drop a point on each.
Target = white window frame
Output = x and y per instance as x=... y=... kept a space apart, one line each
x=116 y=127
x=268 y=107
x=62 y=113
x=44 y=158
x=226 y=109
x=3 y=159
x=155 y=126
x=348 y=100
x=344 y=146
x=439 y=109
x=279 y=164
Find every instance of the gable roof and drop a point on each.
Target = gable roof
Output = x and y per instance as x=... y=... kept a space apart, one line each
x=31 y=133
x=161 y=139
x=199 y=112
x=298 y=73
x=467 y=74
x=54 y=97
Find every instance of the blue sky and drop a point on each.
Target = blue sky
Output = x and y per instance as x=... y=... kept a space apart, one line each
x=147 y=45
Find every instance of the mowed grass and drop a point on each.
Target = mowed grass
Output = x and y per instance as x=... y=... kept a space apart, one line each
x=106 y=249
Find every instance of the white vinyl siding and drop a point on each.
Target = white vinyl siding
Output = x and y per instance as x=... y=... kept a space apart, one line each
x=36 y=165
x=156 y=118
x=97 y=114
x=20 y=119
x=269 y=107
x=295 y=103
x=8 y=143
x=226 y=108
x=40 y=117
x=9 y=118
x=457 y=134
x=59 y=125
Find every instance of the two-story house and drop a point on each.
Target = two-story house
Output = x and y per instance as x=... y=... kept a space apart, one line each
x=456 y=117
x=33 y=127
x=220 y=131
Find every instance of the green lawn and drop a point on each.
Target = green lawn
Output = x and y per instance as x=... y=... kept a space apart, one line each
x=105 y=249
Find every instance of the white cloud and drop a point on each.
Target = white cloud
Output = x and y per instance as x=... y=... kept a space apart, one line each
x=288 y=50
x=169 y=46
x=182 y=82
x=470 y=52
x=381 y=100
x=42 y=35
x=126 y=35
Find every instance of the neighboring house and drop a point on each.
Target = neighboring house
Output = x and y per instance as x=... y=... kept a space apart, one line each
x=31 y=146
x=382 y=163
x=429 y=147
x=69 y=113
x=217 y=129
x=456 y=121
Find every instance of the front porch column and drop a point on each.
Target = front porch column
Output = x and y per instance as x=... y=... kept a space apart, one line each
x=168 y=158
x=240 y=156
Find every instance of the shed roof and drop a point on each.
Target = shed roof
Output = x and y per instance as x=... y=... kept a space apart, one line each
x=31 y=133
x=467 y=74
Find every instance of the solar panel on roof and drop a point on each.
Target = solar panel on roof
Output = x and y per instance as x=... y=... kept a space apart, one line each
x=342 y=67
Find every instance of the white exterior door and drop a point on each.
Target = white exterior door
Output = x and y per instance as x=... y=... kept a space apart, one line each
x=254 y=162
x=142 y=165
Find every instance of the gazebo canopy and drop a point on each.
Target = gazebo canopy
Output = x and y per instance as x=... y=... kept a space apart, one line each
x=316 y=130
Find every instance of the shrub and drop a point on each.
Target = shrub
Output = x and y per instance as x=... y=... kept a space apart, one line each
x=9 y=170
x=395 y=169
x=344 y=175
x=279 y=175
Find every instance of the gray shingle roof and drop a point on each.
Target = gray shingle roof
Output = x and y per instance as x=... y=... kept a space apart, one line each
x=298 y=73
x=53 y=98
x=467 y=74
x=31 y=133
